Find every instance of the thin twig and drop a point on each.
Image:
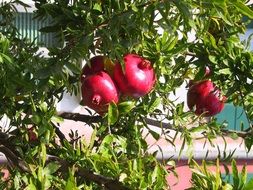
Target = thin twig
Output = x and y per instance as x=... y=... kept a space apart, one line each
x=59 y=133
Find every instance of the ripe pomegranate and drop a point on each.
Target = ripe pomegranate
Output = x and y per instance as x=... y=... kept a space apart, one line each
x=98 y=90
x=205 y=98
x=213 y=104
x=138 y=77
x=96 y=64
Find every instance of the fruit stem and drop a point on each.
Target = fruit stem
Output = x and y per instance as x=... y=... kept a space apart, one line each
x=96 y=99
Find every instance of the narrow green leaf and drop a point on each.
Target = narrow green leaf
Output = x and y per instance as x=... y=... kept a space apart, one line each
x=53 y=167
x=225 y=71
x=235 y=174
x=31 y=186
x=212 y=58
x=73 y=67
x=57 y=119
x=172 y=43
x=71 y=184
x=113 y=113
x=154 y=104
x=43 y=153
x=244 y=9
x=7 y=58
x=248 y=143
x=244 y=174
x=126 y=107
x=154 y=134
x=249 y=185
x=93 y=138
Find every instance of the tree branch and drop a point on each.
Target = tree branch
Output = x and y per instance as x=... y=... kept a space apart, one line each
x=241 y=134
x=13 y=159
x=79 y=117
x=110 y=184
x=95 y=119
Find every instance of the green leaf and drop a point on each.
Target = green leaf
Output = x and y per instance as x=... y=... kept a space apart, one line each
x=43 y=153
x=93 y=138
x=244 y=9
x=249 y=185
x=235 y=174
x=57 y=119
x=225 y=71
x=212 y=58
x=31 y=186
x=154 y=134
x=113 y=113
x=71 y=184
x=52 y=167
x=73 y=67
x=7 y=58
x=126 y=107
x=244 y=174
x=173 y=43
x=134 y=7
x=36 y=119
x=248 y=142
x=154 y=104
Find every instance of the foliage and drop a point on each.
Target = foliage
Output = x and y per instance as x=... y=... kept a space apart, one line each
x=203 y=179
x=117 y=156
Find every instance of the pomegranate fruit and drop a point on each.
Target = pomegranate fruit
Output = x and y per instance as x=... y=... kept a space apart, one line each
x=96 y=64
x=213 y=104
x=138 y=77
x=98 y=90
x=205 y=98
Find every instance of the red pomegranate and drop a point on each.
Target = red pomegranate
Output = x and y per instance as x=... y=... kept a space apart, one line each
x=98 y=90
x=96 y=64
x=205 y=98
x=138 y=77
x=213 y=104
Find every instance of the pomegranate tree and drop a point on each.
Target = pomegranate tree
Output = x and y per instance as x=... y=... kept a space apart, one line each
x=98 y=90
x=205 y=98
x=137 y=78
